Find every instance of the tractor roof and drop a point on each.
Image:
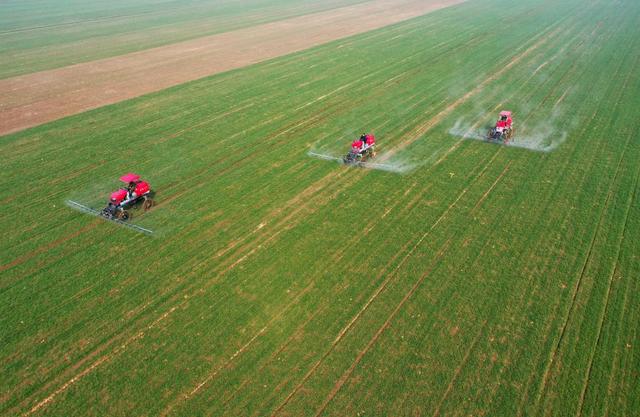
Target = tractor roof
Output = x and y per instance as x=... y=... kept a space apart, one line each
x=130 y=177
x=505 y=113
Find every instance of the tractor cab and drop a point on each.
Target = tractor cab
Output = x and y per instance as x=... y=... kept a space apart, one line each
x=503 y=129
x=361 y=149
x=505 y=116
x=135 y=191
x=135 y=187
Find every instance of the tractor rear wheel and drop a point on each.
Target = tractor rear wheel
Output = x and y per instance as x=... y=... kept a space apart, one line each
x=148 y=203
x=123 y=215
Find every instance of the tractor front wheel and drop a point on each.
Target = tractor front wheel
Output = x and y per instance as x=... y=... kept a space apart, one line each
x=123 y=215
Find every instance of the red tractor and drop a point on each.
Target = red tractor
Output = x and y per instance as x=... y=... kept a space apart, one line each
x=361 y=149
x=503 y=130
x=136 y=191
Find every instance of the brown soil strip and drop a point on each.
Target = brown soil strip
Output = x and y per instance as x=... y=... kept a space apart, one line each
x=33 y=99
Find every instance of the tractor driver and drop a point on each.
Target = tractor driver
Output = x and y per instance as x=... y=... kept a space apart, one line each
x=363 y=139
x=131 y=190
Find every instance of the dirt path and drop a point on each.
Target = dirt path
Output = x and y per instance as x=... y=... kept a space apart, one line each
x=41 y=97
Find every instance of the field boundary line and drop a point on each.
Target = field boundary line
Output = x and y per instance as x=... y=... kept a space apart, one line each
x=199 y=57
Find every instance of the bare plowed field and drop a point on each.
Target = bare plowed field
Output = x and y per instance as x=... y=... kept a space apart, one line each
x=32 y=99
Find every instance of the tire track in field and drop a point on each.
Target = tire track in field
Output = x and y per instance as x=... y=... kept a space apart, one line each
x=577 y=286
x=615 y=264
x=212 y=375
x=45 y=248
x=617 y=366
x=458 y=369
x=300 y=202
x=345 y=376
x=622 y=315
x=486 y=194
x=547 y=331
x=571 y=70
x=94 y=365
x=566 y=218
x=552 y=359
x=340 y=253
x=607 y=296
x=379 y=290
x=259 y=227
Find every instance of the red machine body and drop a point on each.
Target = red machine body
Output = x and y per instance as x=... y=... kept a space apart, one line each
x=361 y=149
x=505 y=119
x=119 y=196
x=135 y=191
x=503 y=130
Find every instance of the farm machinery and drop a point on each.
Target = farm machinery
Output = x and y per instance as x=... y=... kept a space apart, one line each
x=362 y=149
x=135 y=192
x=503 y=130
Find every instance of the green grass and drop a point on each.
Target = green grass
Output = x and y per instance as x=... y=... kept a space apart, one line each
x=489 y=280
x=41 y=35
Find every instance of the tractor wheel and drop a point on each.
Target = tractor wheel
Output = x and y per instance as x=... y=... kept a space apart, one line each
x=148 y=203
x=123 y=215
